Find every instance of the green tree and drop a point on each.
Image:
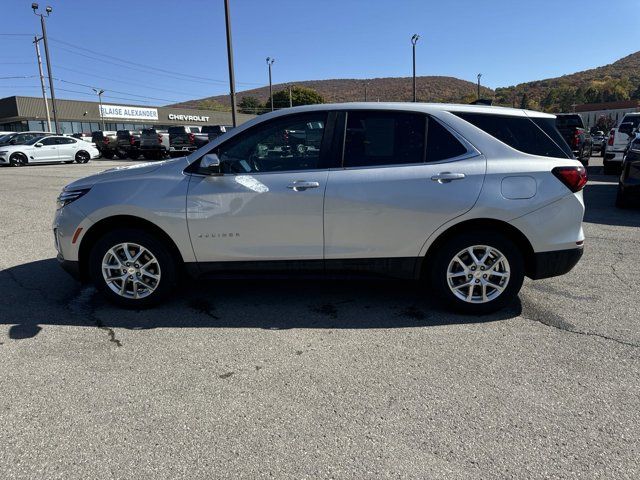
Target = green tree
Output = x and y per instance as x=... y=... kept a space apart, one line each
x=250 y=105
x=209 y=104
x=299 y=96
x=524 y=103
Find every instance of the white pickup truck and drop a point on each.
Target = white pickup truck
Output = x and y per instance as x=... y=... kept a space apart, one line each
x=619 y=138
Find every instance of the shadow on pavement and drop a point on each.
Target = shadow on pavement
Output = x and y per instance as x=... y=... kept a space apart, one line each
x=40 y=293
x=599 y=199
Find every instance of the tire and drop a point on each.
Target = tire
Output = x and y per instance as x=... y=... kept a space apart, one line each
x=121 y=154
x=82 y=157
x=621 y=199
x=109 y=249
x=500 y=249
x=107 y=155
x=18 y=160
x=134 y=154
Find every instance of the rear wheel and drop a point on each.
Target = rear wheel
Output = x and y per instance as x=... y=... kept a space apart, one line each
x=18 y=160
x=477 y=272
x=121 y=154
x=82 y=157
x=132 y=268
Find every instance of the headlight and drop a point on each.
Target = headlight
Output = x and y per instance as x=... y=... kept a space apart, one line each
x=68 y=196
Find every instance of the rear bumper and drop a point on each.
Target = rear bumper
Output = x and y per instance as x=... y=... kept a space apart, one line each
x=614 y=156
x=552 y=264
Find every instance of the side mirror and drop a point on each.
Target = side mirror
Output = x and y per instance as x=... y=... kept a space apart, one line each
x=38 y=145
x=210 y=165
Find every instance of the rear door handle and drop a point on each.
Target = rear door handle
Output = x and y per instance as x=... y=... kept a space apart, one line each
x=302 y=185
x=446 y=177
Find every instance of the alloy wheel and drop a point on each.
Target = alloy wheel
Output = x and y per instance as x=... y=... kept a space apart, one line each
x=131 y=271
x=478 y=274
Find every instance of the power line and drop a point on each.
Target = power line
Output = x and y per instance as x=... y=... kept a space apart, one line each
x=138 y=66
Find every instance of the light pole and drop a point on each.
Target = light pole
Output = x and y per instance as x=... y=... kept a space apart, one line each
x=479 y=75
x=414 y=40
x=269 y=63
x=232 y=81
x=44 y=90
x=99 y=92
x=34 y=6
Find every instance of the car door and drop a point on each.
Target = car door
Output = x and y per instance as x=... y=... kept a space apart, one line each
x=267 y=204
x=394 y=189
x=47 y=152
x=67 y=147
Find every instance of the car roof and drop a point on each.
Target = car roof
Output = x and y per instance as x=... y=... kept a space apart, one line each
x=418 y=107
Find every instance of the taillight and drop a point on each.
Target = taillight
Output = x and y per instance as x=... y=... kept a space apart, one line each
x=612 y=136
x=132 y=140
x=576 y=138
x=575 y=178
x=105 y=140
x=192 y=138
x=159 y=138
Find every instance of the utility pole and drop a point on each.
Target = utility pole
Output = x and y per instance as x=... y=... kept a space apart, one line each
x=100 y=91
x=232 y=81
x=479 y=75
x=414 y=40
x=44 y=90
x=34 y=6
x=269 y=63
x=290 y=97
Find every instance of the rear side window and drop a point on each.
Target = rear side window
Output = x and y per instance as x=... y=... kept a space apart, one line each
x=520 y=133
x=548 y=126
x=383 y=138
x=441 y=144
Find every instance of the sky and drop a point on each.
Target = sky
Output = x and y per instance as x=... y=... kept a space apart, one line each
x=164 y=51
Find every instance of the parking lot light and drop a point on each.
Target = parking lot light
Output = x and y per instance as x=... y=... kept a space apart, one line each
x=35 y=7
x=99 y=92
x=269 y=63
x=414 y=40
x=479 y=76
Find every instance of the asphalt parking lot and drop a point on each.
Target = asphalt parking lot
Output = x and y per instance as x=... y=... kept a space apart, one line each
x=319 y=379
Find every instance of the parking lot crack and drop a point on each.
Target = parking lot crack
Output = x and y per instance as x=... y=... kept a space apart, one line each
x=82 y=305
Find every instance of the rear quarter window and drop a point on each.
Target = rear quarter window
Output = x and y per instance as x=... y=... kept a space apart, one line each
x=520 y=133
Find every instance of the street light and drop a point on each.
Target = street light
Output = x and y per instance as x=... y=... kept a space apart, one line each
x=48 y=11
x=100 y=92
x=232 y=81
x=414 y=40
x=479 y=75
x=269 y=63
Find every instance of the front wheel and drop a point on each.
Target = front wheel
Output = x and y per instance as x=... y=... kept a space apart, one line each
x=18 y=160
x=477 y=272
x=132 y=268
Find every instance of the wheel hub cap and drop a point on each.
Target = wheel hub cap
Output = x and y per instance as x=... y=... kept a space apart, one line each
x=478 y=274
x=130 y=270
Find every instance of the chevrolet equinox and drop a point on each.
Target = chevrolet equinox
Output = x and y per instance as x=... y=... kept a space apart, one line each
x=467 y=199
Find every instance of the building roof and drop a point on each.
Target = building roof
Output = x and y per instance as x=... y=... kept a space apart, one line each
x=620 y=105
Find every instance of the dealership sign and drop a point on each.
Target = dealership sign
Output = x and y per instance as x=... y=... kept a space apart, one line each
x=130 y=113
x=188 y=118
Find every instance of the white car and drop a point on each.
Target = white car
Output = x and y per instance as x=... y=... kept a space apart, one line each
x=619 y=138
x=50 y=149
x=470 y=199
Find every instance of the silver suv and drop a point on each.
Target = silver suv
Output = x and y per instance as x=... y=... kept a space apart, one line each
x=468 y=198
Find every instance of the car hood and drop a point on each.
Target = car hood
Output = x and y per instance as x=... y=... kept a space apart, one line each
x=124 y=172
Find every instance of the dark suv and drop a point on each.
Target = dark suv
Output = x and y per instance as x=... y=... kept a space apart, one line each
x=128 y=144
x=572 y=129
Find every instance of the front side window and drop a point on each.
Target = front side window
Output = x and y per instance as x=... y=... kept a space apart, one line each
x=384 y=138
x=520 y=133
x=291 y=143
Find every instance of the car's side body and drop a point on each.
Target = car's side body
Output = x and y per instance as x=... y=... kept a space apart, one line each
x=49 y=149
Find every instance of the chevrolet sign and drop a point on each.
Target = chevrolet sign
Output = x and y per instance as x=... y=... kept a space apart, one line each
x=188 y=118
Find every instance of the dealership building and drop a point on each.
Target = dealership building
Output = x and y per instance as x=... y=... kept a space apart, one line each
x=74 y=116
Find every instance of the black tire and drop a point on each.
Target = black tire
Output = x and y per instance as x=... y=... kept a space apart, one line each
x=439 y=264
x=621 y=199
x=121 y=154
x=107 y=155
x=134 y=154
x=82 y=157
x=18 y=160
x=150 y=242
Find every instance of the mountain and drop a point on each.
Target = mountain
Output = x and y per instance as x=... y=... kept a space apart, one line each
x=619 y=80
x=392 y=89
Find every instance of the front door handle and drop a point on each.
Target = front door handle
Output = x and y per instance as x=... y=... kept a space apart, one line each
x=302 y=185
x=446 y=177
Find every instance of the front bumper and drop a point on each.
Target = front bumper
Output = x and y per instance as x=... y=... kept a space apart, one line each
x=552 y=264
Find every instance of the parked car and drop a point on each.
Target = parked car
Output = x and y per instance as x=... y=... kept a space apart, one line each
x=619 y=138
x=469 y=198
x=598 y=140
x=128 y=144
x=571 y=127
x=154 y=143
x=87 y=137
x=20 y=138
x=184 y=140
x=214 y=131
x=628 y=193
x=105 y=141
x=48 y=149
